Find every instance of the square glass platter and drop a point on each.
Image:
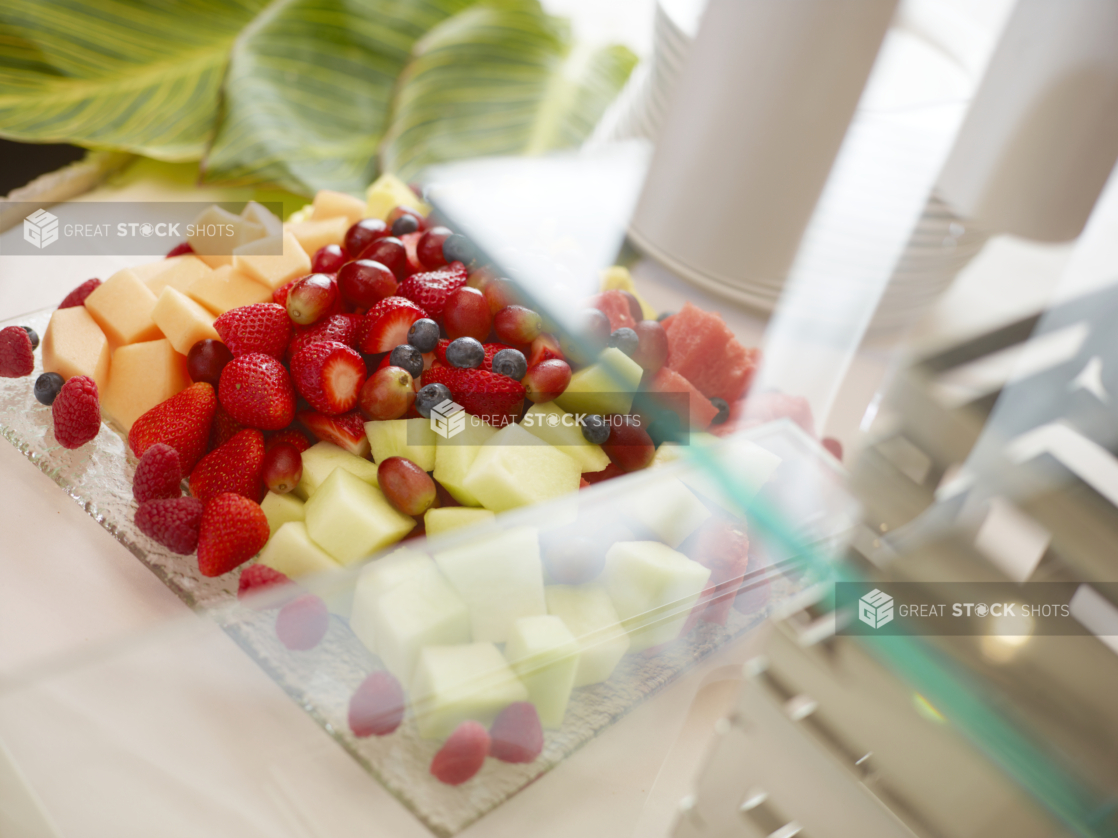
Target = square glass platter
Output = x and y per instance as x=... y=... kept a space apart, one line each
x=806 y=488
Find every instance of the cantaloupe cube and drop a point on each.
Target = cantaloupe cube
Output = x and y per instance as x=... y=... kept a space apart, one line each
x=278 y=268
x=330 y=204
x=544 y=655
x=312 y=235
x=122 y=306
x=74 y=344
x=377 y=578
x=182 y=320
x=556 y=427
x=454 y=456
x=388 y=192
x=322 y=458
x=147 y=270
x=456 y=683
x=351 y=520
x=141 y=376
x=180 y=272
x=589 y=614
x=218 y=232
x=448 y=518
x=227 y=288
x=291 y=551
x=515 y=469
x=280 y=509
x=409 y=438
x=257 y=213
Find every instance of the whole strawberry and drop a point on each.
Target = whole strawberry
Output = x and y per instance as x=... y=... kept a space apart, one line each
x=431 y=290
x=234 y=467
x=78 y=295
x=258 y=578
x=16 y=358
x=256 y=391
x=183 y=422
x=234 y=529
x=385 y=326
x=261 y=327
x=339 y=327
x=462 y=755
x=224 y=428
x=329 y=376
x=481 y=392
x=158 y=475
x=173 y=522
x=76 y=412
x=295 y=438
x=491 y=349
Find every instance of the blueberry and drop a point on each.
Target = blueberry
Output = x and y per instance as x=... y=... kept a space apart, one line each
x=465 y=353
x=407 y=357
x=664 y=316
x=457 y=248
x=424 y=335
x=595 y=429
x=31 y=333
x=430 y=396
x=47 y=386
x=624 y=339
x=723 y=411
x=510 y=362
x=403 y=225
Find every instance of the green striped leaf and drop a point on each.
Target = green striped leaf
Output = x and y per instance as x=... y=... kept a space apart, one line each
x=499 y=78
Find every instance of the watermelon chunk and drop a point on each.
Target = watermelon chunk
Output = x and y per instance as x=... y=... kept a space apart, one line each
x=768 y=407
x=703 y=350
x=615 y=306
x=701 y=411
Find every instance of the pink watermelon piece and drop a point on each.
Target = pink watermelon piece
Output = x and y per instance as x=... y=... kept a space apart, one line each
x=615 y=306
x=701 y=410
x=767 y=407
x=703 y=350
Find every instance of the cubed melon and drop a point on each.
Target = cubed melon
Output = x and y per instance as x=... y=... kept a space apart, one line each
x=178 y=273
x=409 y=438
x=448 y=518
x=276 y=269
x=330 y=204
x=515 y=469
x=312 y=235
x=388 y=192
x=454 y=456
x=544 y=656
x=351 y=520
x=322 y=458
x=558 y=428
x=588 y=612
x=257 y=213
x=74 y=344
x=456 y=683
x=280 y=509
x=227 y=288
x=122 y=306
x=291 y=551
x=499 y=577
x=667 y=508
x=653 y=589
x=604 y=387
x=379 y=577
x=182 y=320
x=216 y=233
x=141 y=376
x=747 y=465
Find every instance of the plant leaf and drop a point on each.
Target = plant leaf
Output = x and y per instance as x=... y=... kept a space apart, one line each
x=126 y=75
x=499 y=79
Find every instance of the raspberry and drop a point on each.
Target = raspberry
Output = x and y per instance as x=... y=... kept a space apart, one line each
x=377 y=706
x=516 y=734
x=78 y=295
x=257 y=578
x=76 y=412
x=173 y=522
x=302 y=623
x=159 y=474
x=463 y=754
x=16 y=358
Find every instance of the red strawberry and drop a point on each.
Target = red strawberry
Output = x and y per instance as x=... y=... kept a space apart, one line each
x=430 y=290
x=462 y=755
x=183 y=422
x=173 y=522
x=346 y=431
x=234 y=467
x=76 y=412
x=279 y=296
x=385 y=326
x=234 y=529
x=292 y=437
x=180 y=249
x=481 y=392
x=78 y=295
x=260 y=327
x=16 y=358
x=516 y=734
x=329 y=375
x=256 y=391
x=544 y=348
x=491 y=349
x=257 y=578
x=339 y=327
x=607 y=473
x=377 y=706
x=411 y=245
x=302 y=623
x=224 y=428
x=158 y=475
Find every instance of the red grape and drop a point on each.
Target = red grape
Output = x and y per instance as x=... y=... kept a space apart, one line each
x=408 y=487
x=283 y=466
x=328 y=259
x=206 y=359
x=387 y=393
x=391 y=253
x=467 y=315
x=652 y=349
x=365 y=283
x=364 y=233
x=420 y=221
x=546 y=380
x=517 y=324
x=500 y=293
x=430 y=248
x=311 y=297
x=629 y=447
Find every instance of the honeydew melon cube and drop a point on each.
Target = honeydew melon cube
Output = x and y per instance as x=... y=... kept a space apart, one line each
x=322 y=458
x=350 y=519
x=454 y=456
x=421 y=610
x=218 y=232
x=291 y=551
x=499 y=577
x=257 y=213
x=280 y=509
x=605 y=387
x=448 y=518
x=544 y=655
x=515 y=469
x=314 y=234
x=141 y=376
x=178 y=272
x=226 y=289
x=565 y=434
x=282 y=262
x=749 y=467
x=122 y=306
x=182 y=320
x=409 y=438
x=379 y=577
x=74 y=344
x=456 y=683
x=330 y=204
x=588 y=612
x=667 y=508
x=653 y=589
x=388 y=192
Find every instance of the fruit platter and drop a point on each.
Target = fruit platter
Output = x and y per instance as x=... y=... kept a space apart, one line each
x=362 y=451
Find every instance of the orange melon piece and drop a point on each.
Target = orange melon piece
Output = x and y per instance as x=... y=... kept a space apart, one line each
x=143 y=375
x=330 y=204
x=314 y=234
x=217 y=233
x=180 y=271
x=122 y=307
x=227 y=288
x=276 y=269
x=182 y=320
x=74 y=344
